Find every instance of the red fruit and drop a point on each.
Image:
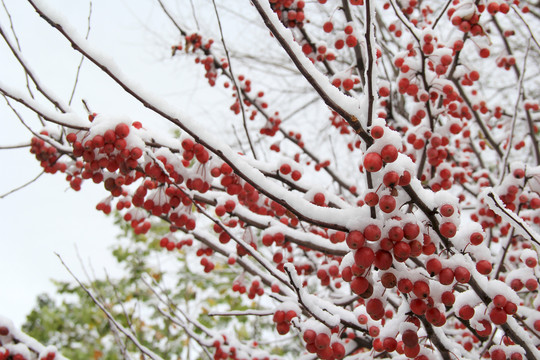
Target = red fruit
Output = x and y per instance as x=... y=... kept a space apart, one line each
x=328 y=26
x=383 y=260
x=402 y=251
x=296 y=175
x=283 y=328
x=484 y=267
x=355 y=239
x=433 y=315
x=388 y=280
x=405 y=285
x=433 y=267
x=389 y=344
x=121 y=130
x=371 y=199
x=411 y=231
x=462 y=275
x=448 y=229
x=374 y=308
x=510 y=308
x=484 y=53
x=476 y=238
x=446 y=276
x=383 y=92
x=373 y=162
x=411 y=352
x=497 y=316
x=285 y=169
x=279 y=316
x=421 y=289
x=187 y=144
x=309 y=336
x=364 y=257
x=322 y=341
x=531 y=284
x=487 y=328
x=372 y=232
x=359 y=285
x=410 y=338
x=348 y=84
x=418 y=306
x=377 y=132
x=319 y=199
x=516 y=284
x=351 y=41
x=387 y=203
x=71 y=137
x=448 y=298
x=395 y=234
x=339 y=350
x=390 y=179
x=389 y=153
x=530 y=262
x=4 y=331
x=447 y=210
x=498 y=354
x=466 y=312
x=499 y=301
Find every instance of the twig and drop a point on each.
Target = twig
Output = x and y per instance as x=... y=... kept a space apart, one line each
x=82 y=57
x=518 y=12
x=19 y=146
x=242 y=313
x=27 y=70
x=495 y=203
x=123 y=330
x=22 y=186
x=443 y=11
x=514 y=115
x=238 y=94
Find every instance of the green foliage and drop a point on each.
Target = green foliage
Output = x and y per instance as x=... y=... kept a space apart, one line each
x=71 y=321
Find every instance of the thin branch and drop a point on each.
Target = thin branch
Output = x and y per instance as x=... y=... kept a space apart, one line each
x=242 y=313
x=238 y=94
x=19 y=146
x=123 y=330
x=443 y=11
x=22 y=186
x=82 y=57
x=514 y=115
x=29 y=72
x=518 y=12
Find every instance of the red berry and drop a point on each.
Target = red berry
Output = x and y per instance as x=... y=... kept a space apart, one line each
x=448 y=229
x=322 y=341
x=355 y=239
x=484 y=267
x=372 y=232
x=359 y=285
x=373 y=162
x=389 y=153
x=328 y=26
x=466 y=312
x=497 y=316
x=421 y=289
x=387 y=203
x=121 y=130
x=390 y=179
x=462 y=275
x=405 y=285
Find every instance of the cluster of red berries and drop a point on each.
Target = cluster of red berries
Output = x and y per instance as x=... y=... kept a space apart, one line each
x=321 y=344
x=290 y=12
x=283 y=319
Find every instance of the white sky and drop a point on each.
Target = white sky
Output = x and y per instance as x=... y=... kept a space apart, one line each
x=47 y=216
